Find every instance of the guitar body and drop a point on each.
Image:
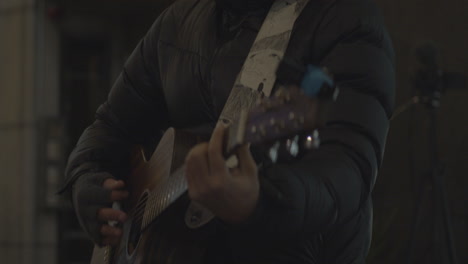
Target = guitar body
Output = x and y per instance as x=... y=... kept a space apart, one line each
x=167 y=240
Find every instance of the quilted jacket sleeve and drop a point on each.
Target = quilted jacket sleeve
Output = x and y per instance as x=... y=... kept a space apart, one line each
x=329 y=186
x=134 y=113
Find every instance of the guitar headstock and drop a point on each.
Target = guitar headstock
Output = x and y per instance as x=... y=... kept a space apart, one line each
x=286 y=122
x=289 y=112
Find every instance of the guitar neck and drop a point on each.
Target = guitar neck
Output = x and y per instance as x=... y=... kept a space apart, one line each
x=162 y=197
x=267 y=123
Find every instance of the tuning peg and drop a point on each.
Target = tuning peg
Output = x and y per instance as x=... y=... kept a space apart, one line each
x=292 y=146
x=273 y=152
x=312 y=141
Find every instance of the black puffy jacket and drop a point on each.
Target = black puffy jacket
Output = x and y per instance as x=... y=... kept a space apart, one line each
x=314 y=210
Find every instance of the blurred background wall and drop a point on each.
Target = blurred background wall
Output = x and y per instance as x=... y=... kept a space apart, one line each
x=58 y=59
x=17 y=133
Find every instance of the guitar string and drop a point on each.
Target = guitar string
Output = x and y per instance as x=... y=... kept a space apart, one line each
x=158 y=200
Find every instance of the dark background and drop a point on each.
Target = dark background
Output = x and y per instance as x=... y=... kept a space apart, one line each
x=58 y=59
x=412 y=23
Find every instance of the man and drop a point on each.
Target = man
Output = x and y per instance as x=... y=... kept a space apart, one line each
x=313 y=210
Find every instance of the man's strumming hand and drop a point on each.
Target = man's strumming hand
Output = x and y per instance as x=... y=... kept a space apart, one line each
x=93 y=195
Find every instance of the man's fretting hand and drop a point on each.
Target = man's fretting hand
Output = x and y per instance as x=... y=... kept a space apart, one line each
x=231 y=194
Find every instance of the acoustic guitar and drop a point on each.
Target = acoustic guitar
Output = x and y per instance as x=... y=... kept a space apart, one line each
x=164 y=226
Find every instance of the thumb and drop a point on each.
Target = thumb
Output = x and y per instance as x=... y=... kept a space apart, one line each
x=247 y=164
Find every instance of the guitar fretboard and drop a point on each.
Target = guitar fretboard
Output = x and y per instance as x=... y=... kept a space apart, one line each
x=163 y=196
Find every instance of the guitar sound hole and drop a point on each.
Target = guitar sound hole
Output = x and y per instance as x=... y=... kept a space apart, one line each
x=135 y=229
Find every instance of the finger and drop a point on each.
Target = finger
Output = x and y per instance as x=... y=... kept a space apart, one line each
x=94 y=194
x=109 y=214
x=197 y=169
x=215 y=150
x=109 y=231
x=119 y=195
x=113 y=184
x=246 y=162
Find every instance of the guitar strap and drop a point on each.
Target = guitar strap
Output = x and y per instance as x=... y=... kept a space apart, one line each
x=256 y=78
x=258 y=74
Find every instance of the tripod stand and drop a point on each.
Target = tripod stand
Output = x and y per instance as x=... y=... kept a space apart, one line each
x=443 y=243
x=430 y=84
x=429 y=81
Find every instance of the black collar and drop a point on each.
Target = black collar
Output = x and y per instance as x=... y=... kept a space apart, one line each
x=244 y=6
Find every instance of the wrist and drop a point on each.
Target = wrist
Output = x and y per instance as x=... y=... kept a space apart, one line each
x=249 y=221
x=241 y=210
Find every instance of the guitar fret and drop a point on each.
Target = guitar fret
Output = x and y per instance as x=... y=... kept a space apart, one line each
x=159 y=202
x=161 y=198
